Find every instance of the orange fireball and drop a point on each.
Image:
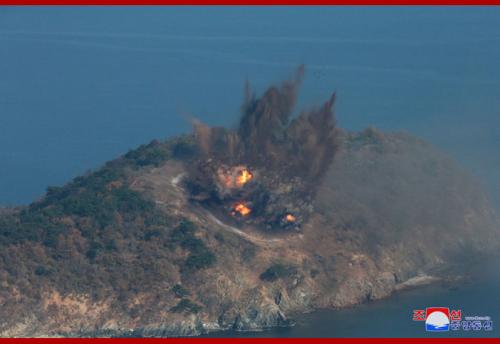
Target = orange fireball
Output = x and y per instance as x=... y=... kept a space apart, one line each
x=244 y=176
x=241 y=209
x=290 y=218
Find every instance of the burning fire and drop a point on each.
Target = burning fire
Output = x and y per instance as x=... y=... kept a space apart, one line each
x=244 y=176
x=241 y=208
x=290 y=218
x=234 y=177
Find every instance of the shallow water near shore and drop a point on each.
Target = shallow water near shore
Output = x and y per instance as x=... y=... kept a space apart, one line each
x=476 y=295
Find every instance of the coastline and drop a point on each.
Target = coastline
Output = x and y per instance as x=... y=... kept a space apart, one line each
x=391 y=316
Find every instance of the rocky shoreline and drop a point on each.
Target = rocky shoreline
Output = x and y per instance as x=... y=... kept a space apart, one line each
x=256 y=322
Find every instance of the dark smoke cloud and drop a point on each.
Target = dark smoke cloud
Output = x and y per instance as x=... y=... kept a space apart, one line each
x=266 y=137
x=288 y=156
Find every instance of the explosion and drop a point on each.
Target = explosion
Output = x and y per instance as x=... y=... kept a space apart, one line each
x=241 y=209
x=288 y=157
x=243 y=177
x=233 y=177
x=290 y=218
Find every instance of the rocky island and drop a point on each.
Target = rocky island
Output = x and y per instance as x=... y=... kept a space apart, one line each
x=238 y=228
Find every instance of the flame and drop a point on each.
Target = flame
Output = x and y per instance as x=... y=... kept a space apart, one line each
x=290 y=218
x=244 y=176
x=234 y=177
x=241 y=209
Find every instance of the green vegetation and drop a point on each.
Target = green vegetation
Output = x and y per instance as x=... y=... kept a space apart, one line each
x=186 y=306
x=180 y=291
x=184 y=233
x=92 y=234
x=200 y=256
x=248 y=253
x=100 y=197
x=199 y=260
x=153 y=153
x=277 y=271
x=41 y=271
x=98 y=236
x=152 y=234
x=184 y=148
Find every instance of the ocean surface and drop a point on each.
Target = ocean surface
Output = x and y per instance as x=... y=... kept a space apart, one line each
x=476 y=295
x=82 y=85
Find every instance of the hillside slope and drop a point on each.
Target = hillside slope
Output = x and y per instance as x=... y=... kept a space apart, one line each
x=125 y=251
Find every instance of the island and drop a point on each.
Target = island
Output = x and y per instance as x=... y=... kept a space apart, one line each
x=239 y=228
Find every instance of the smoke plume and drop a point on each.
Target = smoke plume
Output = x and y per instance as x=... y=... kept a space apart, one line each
x=280 y=159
